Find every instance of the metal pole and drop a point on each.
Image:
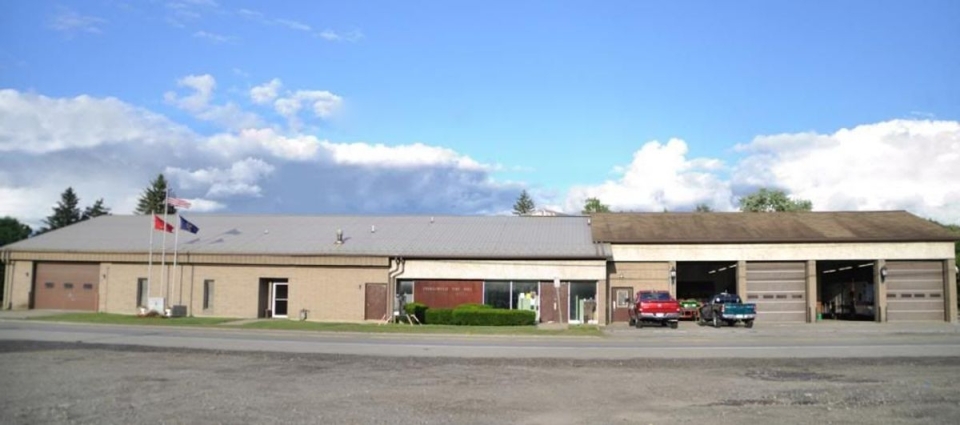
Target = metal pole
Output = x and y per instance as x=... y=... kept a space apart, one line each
x=163 y=250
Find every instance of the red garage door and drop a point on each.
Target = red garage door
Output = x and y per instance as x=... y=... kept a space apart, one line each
x=66 y=286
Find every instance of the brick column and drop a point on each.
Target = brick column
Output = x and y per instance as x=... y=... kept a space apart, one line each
x=812 y=291
x=880 y=292
x=950 y=290
x=742 y=280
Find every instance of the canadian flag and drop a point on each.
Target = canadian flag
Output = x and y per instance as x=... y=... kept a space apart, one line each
x=159 y=224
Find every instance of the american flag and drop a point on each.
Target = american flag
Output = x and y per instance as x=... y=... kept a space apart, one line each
x=179 y=203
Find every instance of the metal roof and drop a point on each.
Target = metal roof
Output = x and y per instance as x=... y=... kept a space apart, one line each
x=407 y=236
x=766 y=227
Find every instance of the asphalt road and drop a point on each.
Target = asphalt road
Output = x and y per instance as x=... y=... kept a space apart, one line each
x=798 y=341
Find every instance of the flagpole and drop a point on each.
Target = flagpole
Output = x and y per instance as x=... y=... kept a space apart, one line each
x=163 y=251
x=153 y=218
x=176 y=244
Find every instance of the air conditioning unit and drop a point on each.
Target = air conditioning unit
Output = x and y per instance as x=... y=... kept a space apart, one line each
x=176 y=311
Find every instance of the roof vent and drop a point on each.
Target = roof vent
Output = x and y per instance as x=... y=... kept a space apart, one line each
x=431 y=220
x=373 y=229
x=339 y=237
x=589 y=221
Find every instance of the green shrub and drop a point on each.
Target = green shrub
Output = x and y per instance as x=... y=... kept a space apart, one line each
x=473 y=307
x=493 y=317
x=439 y=316
x=418 y=310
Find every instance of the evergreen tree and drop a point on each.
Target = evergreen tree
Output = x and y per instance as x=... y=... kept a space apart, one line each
x=153 y=196
x=65 y=213
x=703 y=208
x=524 y=204
x=95 y=210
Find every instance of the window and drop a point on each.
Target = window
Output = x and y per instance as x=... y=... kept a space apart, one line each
x=87 y=286
x=207 y=294
x=623 y=298
x=496 y=294
x=654 y=296
x=142 y=292
x=49 y=285
x=68 y=285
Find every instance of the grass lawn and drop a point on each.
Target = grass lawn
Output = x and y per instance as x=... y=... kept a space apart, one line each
x=424 y=329
x=123 y=319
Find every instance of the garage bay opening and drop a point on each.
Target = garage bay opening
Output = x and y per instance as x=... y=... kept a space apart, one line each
x=845 y=290
x=701 y=280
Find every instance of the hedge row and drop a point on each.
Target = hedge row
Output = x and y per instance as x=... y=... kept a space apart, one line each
x=479 y=315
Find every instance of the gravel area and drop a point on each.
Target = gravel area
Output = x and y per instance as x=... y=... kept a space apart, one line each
x=103 y=384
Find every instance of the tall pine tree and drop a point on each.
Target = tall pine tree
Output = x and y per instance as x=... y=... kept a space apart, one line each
x=524 y=204
x=95 y=210
x=153 y=196
x=65 y=213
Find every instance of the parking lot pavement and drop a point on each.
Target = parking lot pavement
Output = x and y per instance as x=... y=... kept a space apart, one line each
x=70 y=383
x=822 y=328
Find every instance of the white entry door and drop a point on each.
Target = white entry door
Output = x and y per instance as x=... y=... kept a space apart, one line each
x=279 y=295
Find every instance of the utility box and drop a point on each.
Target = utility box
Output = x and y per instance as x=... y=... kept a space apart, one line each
x=157 y=304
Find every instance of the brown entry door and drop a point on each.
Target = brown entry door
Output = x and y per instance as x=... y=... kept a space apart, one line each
x=622 y=299
x=554 y=302
x=66 y=286
x=375 y=301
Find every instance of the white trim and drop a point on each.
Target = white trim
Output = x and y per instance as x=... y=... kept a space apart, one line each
x=273 y=300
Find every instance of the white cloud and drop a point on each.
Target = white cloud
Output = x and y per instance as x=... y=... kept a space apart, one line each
x=323 y=103
x=212 y=37
x=266 y=92
x=69 y=21
x=415 y=155
x=37 y=124
x=659 y=177
x=294 y=25
x=912 y=165
x=331 y=35
x=106 y=148
x=898 y=164
x=238 y=180
x=198 y=103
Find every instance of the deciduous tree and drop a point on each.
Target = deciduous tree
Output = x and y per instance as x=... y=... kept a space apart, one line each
x=767 y=200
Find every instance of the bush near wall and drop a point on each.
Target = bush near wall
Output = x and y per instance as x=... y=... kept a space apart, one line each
x=418 y=310
x=439 y=316
x=493 y=317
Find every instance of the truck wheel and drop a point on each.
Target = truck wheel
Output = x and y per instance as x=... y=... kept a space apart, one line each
x=673 y=325
x=716 y=322
x=748 y=324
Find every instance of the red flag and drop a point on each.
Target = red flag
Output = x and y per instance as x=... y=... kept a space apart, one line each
x=159 y=224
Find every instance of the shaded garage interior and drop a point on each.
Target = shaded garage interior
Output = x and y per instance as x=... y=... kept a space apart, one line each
x=846 y=290
x=701 y=280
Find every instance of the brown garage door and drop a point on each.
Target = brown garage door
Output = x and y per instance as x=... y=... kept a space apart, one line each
x=779 y=290
x=914 y=291
x=66 y=286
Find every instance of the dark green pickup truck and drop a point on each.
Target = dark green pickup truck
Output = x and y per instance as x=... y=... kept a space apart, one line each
x=728 y=309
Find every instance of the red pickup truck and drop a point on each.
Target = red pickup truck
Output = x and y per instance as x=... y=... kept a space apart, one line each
x=655 y=307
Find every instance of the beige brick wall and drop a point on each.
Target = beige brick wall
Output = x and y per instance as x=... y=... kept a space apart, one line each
x=329 y=293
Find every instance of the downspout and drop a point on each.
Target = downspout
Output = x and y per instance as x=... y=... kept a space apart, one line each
x=392 y=279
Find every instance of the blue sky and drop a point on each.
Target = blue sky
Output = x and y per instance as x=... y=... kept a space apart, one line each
x=557 y=97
